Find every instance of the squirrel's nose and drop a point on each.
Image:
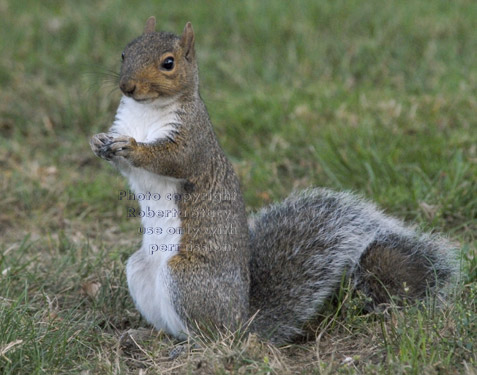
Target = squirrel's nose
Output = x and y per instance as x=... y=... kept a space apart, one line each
x=127 y=87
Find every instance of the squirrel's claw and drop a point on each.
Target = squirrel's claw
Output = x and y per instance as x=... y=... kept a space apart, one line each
x=100 y=144
x=122 y=146
x=107 y=147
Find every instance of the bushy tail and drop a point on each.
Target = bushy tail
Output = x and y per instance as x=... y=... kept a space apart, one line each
x=395 y=268
x=304 y=246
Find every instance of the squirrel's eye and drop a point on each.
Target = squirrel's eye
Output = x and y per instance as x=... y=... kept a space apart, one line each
x=168 y=63
x=122 y=56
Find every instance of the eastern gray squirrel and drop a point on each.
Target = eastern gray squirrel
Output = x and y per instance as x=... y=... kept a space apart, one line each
x=214 y=268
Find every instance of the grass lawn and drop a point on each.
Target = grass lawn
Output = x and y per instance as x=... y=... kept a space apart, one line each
x=375 y=97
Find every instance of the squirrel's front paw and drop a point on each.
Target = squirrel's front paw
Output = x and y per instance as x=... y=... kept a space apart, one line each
x=107 y=147
x=100 y=144
x=122 y=146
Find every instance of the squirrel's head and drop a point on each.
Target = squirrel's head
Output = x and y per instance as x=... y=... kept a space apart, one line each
x=159 y=64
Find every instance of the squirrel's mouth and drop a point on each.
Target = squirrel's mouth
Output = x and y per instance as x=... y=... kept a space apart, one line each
x=144 y=100
x=135 y=90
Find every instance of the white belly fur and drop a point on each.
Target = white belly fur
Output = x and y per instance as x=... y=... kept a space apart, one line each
x=147 y=271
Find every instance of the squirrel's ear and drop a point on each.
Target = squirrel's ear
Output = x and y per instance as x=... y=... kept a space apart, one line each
x=150 y=25
x=187 y=41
